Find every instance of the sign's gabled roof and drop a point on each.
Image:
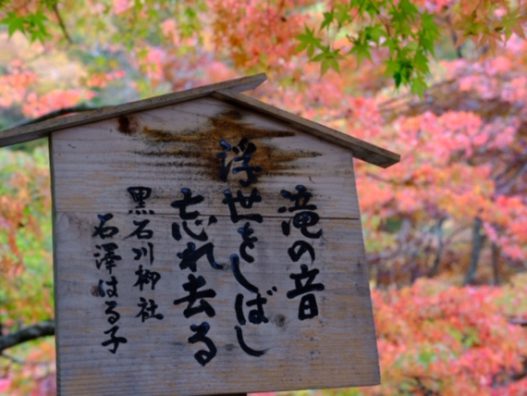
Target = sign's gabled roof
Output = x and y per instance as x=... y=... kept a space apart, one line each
x=228 y=91
x=363 y=150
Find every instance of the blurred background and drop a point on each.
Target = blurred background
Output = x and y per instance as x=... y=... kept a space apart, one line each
x=443 y=83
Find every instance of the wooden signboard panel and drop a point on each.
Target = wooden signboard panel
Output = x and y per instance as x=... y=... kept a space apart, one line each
x=202 y=248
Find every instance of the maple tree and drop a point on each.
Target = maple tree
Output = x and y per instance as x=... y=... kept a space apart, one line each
x=459 y=340
x=454 y=209
x=407 y=31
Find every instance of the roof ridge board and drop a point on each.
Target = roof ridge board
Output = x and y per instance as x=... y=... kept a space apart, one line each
x=37 y=130
x=361 y=149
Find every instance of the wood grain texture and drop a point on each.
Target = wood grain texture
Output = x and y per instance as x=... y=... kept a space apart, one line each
x=42 y=129
x=175 y=147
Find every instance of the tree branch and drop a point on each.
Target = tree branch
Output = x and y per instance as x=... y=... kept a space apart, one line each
x=518 y=321
x=29 y=333
x=61 y=23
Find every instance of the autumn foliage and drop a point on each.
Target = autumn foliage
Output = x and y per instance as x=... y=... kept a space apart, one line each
x=456 y=340
x=446 y=229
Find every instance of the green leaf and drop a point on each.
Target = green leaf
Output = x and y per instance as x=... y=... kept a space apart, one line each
x=401 y=69
x=329 y=59
x=408 y=9
x=429 y=32
x=328 y=19
x=308 y=42
x=392 y=43
x=421 y=62
x=31 y=25
x=50 y=3
x=342 y=14
x=36 y=26
x=509 y=21
x=418 y=85
x=370 y=7
x=374 y=33
x=361 y=49
x=426 y=357
x=391 y=67
x=14 y=23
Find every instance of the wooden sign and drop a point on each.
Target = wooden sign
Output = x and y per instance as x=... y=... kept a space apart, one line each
x=210 y=245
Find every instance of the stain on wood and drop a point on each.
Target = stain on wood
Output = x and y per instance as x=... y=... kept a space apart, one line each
x=95 y=291
x=203 y=144
x=279 y=320
x=126 y=124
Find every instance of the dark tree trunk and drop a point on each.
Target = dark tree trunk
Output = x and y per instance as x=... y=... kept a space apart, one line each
x=478 y=242
x=434 y=270
x=495 y=262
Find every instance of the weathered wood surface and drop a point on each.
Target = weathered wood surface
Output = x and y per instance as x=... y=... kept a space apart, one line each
x=175 y=147
x=42 y=129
